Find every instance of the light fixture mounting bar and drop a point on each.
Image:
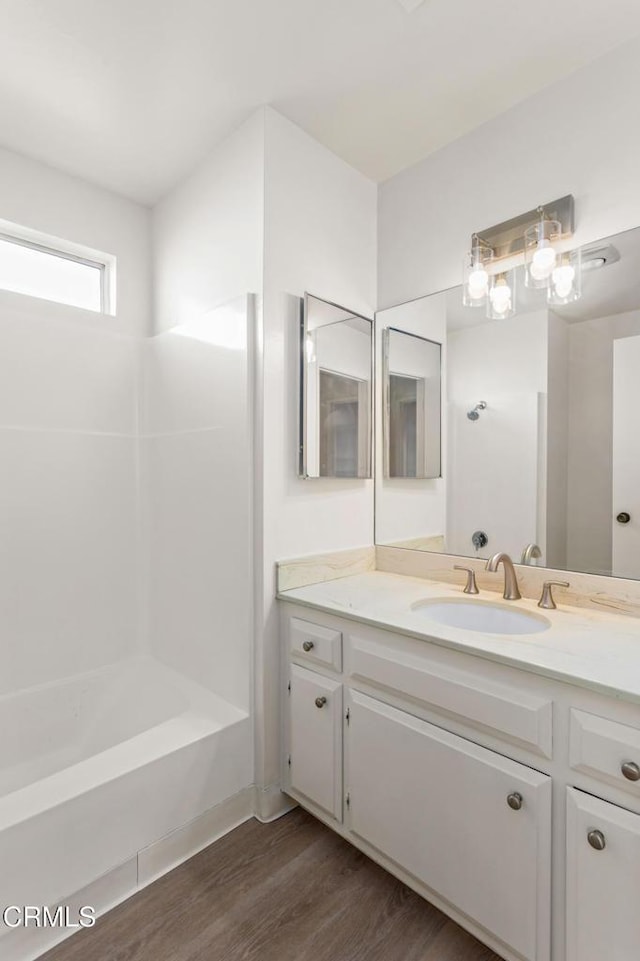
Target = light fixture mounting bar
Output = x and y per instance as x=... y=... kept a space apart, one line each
x=507 y=239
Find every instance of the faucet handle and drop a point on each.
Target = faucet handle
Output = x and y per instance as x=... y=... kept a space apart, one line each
x=547 y=600
x=470 y=587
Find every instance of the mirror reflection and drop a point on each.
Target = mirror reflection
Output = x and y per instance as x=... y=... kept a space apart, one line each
x=412 y=405
x=336 y=396
x=541 y=446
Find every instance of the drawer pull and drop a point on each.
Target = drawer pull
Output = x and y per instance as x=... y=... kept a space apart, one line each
x=630 y=770
x=321 y=701
x=596 y=840
x=308 y=646
x=514 y=801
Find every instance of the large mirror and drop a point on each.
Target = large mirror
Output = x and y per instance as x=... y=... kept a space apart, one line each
x=541 y=439
x=336 y=363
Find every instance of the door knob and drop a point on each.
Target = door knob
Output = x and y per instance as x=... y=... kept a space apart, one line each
x=623 y=517
x=596 y=840
x=514 y=801
x=307 y=646
x=321 y=701
x=630 y=770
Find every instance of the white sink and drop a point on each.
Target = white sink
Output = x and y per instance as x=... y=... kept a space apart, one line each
x=483 y=616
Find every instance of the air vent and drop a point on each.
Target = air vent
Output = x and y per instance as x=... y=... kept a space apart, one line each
x=596 y=257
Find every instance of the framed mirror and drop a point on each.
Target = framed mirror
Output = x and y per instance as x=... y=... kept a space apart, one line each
x=336 y=363
x=540 y=441
x=412 y=404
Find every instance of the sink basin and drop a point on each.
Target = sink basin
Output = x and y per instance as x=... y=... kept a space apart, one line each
x=483 y=616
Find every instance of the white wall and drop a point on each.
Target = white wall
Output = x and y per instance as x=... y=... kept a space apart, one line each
x=68 y=504
x=320 y=236
x=409 y=508
x=198 y=443
x=578 y=136
x=208 y=231
x=196 y=455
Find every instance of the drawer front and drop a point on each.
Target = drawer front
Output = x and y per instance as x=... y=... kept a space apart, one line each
x=441 y=807
x=603 y=882
x=315 y=739
x=512 y=714
x=605 y=750
x=316 y=644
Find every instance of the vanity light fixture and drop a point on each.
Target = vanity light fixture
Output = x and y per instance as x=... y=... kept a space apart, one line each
x=538 y=239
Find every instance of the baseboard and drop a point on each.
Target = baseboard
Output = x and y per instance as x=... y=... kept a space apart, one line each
x=272 y=803
x=119 y=884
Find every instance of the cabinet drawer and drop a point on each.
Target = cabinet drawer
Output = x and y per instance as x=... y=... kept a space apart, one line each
x=603 y=882
x=513 y=714
x=606 y=750
x=472 y=825
x=315 y=739
x=321 y=645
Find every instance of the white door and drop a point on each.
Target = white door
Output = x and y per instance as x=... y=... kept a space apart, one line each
x=626 y=458
x=603 y=881
x=439 y=806
x=315 y=739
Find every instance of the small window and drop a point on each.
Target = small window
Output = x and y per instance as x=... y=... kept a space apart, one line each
x=41 y=271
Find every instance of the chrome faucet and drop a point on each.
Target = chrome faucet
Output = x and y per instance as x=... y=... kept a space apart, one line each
x=511 y=592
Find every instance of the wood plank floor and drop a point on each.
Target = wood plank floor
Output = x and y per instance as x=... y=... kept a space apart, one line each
x=291 y=890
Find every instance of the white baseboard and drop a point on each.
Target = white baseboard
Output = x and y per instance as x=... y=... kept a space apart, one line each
x=103 y=894
x=271 y=803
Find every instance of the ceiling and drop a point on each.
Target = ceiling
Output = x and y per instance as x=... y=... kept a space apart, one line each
x=131 y=94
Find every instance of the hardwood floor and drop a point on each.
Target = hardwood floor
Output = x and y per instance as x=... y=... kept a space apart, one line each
x=291 y=890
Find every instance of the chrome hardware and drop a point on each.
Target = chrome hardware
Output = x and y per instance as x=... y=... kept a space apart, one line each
x=473 y=414
x=596 y=840
x=471 y=587
x=630 y=770
x=530 y=552
x=511 y=591
x=321 y=701
x=479 y=539
x=546 y=599
x=623 y=517
x=514 y=801
x=308 y=646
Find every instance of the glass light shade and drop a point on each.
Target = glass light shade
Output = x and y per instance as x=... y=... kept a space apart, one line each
x=501 y=300
x=540 y=254
x=475 y=283
x=566 y=279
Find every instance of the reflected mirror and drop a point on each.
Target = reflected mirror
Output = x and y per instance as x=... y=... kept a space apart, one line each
x=336 y=355
x=540 y=440
x=411 y=370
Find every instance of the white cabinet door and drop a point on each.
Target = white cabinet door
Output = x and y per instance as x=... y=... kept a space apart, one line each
x=439 y=806
x=626 y=458
x=603 y=883
x=315 y=738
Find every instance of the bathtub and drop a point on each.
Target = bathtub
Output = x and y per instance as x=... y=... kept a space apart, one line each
x=96 y=768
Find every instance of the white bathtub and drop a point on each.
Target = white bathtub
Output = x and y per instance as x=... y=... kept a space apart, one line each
x=96 y=768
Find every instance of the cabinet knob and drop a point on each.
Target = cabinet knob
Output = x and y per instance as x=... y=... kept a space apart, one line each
x=631 y=770
x=514 y=801
x=623 y=517
x=596 y=840
x=321 y=701
x=308 y=646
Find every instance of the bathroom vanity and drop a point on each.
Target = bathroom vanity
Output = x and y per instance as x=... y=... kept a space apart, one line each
x=497 y=775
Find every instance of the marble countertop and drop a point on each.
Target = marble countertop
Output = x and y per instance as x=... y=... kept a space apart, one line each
x=600 y=651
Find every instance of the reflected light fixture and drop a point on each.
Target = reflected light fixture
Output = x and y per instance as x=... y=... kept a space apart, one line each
x=537 y=239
